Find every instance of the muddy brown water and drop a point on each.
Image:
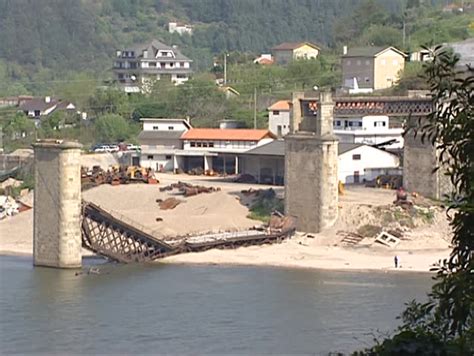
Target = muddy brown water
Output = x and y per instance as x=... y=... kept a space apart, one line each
x=176 y=309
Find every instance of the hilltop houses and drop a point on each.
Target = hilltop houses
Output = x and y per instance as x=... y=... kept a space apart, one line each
x=289 y=51
x=365 y=69
x=137 y=67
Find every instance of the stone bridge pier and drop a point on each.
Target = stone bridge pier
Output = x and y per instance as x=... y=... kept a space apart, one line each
x=311 y=192
x=57 y=204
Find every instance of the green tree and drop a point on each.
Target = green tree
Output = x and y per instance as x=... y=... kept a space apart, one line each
x=113 y=128
x=19 y=126
x=444 y=324
x=110 y=100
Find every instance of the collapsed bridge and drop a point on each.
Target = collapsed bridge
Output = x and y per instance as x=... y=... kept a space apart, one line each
x=120 y=240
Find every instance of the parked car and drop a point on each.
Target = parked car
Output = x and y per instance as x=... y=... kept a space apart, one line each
x=132 y=147
x=113 y=148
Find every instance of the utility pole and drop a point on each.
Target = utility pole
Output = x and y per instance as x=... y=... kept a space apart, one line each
x=225 y=68
x=255 y=108
x=404 y=34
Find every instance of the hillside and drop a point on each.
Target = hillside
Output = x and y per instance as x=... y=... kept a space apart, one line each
x=48 y=40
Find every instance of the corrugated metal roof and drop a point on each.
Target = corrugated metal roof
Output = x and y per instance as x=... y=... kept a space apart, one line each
x=160 y=135
x=277 y=148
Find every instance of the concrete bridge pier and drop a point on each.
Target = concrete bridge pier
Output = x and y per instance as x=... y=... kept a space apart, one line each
x=57 y=204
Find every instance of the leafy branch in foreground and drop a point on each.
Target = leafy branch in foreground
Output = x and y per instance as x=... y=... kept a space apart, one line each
x=444 y=324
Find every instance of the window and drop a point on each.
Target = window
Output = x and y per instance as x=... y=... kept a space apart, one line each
x=171 y=65
x=276 y=112
x=181 y=76
x=360 y=123
x=171 y=128
x=356 y=157
x=367 y=79
x=192 y=144
x=279 y=130
x=198 y=144
x=155 y=128
x=178 y=65
x=211 y=144
x=167 y=157
x=149 y=157
x=162 y=64
x=152 y=64
x=204 y=144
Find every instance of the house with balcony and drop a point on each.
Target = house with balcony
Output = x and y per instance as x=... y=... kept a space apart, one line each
x=137 y=67
x=279 y=114
x=286 y=52
x=366 y=69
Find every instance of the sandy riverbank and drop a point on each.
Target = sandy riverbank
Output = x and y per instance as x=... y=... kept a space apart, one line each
x=423 y=244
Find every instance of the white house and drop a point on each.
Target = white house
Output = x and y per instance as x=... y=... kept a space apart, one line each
x=279 y=115
x=371 y=130
x=159 y=140
x=356 y=163
x=172 y=144
x=180 y=28
x=218 y=149
x=137 y=67
x=359 y=162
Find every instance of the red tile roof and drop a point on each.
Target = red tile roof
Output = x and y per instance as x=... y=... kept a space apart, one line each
x=264 y=61
x=280 y=105
x=227 y=134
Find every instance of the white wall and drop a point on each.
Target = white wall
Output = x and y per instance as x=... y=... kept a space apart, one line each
x=155 y=161
x=282 y=119
x=371 y=138
x=163 y=125
x=369 y=158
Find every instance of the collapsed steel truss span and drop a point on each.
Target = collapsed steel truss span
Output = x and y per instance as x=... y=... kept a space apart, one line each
x=111 y=237
x=120 y=241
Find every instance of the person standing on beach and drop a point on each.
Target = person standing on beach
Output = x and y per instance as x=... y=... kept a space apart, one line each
x=395 y=260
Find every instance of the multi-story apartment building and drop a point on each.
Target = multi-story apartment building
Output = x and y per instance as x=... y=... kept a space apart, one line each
x=371 y=67
x=137 y=67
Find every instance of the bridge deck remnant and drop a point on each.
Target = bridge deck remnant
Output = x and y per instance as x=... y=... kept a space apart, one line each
x=112 y=237
x=372 y=105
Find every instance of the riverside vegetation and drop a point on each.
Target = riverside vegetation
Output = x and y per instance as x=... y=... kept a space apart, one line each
x=444 y=324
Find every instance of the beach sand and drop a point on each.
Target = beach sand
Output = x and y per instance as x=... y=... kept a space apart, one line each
x=423 y=244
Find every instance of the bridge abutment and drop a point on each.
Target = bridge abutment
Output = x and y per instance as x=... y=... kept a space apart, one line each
x=57 y=210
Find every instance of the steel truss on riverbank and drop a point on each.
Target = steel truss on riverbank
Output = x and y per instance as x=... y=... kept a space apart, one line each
x=122 y=241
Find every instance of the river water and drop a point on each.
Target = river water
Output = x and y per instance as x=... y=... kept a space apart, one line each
x=138 y=309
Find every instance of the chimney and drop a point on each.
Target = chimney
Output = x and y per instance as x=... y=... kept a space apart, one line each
x=47 y=99
x=145 y=53
x=344 y=50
